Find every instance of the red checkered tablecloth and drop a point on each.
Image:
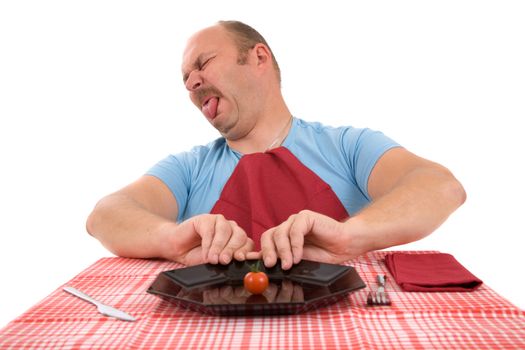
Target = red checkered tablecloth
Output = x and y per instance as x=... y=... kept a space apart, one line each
x=477 y=320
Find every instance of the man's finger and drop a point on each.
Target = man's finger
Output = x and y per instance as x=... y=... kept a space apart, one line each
x=268 y=252
x=205 y=228
x=281 y=238
x=237 y=240
x=246 y=251
x=299 y=228
x=223 y=232
x=250 y=255
x=312 y=252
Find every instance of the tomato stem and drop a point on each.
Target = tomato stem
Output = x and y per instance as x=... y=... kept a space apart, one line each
x=255 y=267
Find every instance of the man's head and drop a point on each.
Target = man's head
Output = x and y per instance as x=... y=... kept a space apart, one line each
x=246 y=38
x=231 y=75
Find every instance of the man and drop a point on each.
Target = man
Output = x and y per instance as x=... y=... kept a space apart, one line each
x=273 y=186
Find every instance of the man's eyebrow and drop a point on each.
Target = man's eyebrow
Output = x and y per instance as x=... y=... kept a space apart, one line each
x=196 y=63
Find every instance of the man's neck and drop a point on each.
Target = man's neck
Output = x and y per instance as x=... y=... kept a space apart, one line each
x=268 y=131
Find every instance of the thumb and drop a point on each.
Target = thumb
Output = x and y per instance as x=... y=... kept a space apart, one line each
x=246 y=251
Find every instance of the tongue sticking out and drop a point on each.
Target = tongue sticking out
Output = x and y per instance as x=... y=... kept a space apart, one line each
x=210 y=108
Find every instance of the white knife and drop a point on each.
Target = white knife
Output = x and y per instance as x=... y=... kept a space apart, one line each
x=102 y=308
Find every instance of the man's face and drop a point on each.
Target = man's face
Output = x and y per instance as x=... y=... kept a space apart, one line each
x=220 y=87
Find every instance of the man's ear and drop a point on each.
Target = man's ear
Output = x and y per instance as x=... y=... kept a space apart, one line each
x=263 y=54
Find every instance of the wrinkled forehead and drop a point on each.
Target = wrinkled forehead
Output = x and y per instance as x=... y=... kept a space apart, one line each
x=207 y=40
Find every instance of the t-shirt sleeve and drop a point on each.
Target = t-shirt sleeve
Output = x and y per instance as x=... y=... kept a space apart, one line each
x=363 y=149
x=175 y=171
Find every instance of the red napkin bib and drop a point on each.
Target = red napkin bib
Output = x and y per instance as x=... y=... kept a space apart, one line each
x=433 y=272
x=266 y=188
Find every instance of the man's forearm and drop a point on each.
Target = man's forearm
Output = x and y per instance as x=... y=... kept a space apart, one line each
x=127 y=229
x=419 y=204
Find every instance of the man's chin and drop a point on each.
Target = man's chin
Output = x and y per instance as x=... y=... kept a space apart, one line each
x=220 y=123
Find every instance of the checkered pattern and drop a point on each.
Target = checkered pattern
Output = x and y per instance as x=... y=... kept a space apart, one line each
x=478 y=320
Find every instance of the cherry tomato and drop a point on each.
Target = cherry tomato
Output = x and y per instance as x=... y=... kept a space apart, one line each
x=256 y=282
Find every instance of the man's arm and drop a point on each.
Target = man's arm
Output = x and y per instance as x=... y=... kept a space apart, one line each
x=411 y=197
x=138 y=221
x=130 y=221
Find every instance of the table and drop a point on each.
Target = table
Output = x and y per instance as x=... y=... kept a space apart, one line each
x=480 y=319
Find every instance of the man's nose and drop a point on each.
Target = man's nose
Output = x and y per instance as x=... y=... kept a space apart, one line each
x=194 y=81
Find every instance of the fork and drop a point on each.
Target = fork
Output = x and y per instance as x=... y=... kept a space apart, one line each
x=379 y=296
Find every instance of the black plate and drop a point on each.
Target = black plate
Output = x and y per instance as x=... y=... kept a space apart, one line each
x=219 y=290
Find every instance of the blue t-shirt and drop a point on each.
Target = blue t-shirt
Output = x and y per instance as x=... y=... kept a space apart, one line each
x=343 y=157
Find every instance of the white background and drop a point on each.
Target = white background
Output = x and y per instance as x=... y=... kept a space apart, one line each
x=91 y=97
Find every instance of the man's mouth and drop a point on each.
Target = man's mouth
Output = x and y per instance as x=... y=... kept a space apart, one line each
x=209 y=107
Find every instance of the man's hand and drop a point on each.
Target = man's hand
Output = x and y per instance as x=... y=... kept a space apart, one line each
x=207 y=238
x=307 y=235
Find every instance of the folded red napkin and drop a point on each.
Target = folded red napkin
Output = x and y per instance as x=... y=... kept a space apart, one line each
x=432 y=272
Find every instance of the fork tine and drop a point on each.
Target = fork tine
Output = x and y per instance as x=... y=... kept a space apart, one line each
x=373 y=298
x=370 y=298
x=385 y=299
